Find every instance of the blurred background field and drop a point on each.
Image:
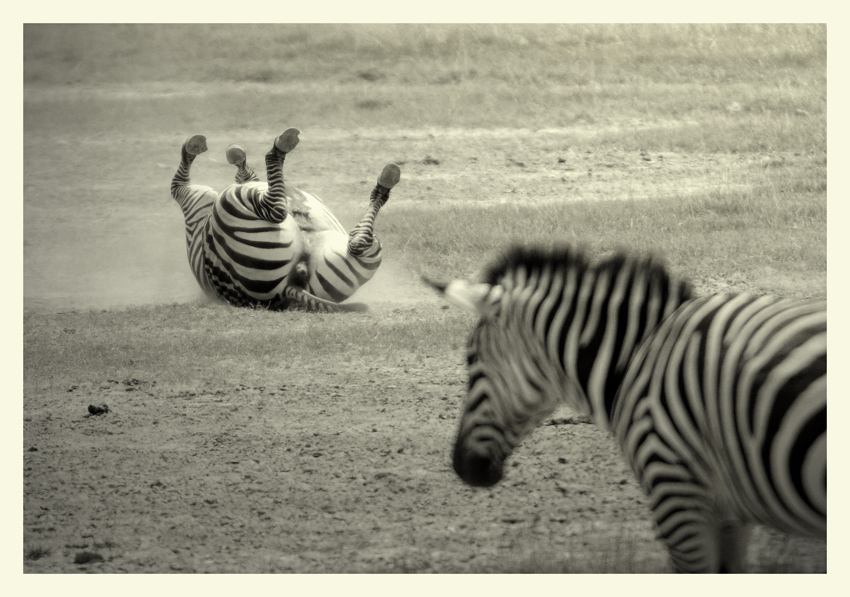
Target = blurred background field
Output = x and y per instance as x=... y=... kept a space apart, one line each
x=750 y=87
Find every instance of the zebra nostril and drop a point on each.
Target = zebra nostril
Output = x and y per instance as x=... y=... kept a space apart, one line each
x=479 y=465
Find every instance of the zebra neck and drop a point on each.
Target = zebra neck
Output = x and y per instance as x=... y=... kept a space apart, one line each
x=607 y=316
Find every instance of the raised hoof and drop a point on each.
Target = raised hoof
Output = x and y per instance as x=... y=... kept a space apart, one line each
x=235 y=155
x=287 y=140
x=390 y=176
x=196 y=145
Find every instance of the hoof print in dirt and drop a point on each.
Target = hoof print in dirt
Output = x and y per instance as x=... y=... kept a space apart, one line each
x=98 y=410
x=87 y=557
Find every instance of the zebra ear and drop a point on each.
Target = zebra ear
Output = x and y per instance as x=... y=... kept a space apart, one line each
x=467 y=296
x=479 y=299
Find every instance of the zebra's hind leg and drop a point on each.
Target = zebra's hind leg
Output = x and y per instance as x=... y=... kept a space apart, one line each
x=244 y=173
x=361 y=239
x=192 y=147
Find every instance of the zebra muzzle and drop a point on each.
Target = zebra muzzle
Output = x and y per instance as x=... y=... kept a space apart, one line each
x=478 y=462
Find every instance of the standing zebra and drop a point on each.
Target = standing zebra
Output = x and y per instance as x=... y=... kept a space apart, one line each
x=718 y=403
x=270 y=244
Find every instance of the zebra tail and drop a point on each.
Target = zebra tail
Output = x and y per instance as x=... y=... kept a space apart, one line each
x=313 y=303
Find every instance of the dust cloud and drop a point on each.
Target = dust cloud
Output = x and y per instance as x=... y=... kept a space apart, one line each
x=394 y=286
x=72 y=268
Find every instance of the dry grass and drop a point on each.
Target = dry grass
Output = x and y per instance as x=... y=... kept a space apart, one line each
x=750 y=87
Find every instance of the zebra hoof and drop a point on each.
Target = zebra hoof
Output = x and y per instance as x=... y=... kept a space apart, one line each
x=235 y=155
x=196 y=145
x=287 y=140
x=390 y=176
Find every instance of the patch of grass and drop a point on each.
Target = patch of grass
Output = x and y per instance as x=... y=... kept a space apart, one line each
x=697 y=234
x=563 y=53
x=749 y=87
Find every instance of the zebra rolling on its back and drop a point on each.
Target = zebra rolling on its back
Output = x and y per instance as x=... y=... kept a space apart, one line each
x=718 y=403
x=270 y=244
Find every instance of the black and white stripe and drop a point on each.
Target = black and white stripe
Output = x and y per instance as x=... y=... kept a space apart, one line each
x=270 y=244
x=719 y=403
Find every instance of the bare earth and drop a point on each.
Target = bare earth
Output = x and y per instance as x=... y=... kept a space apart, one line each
x=342 y=469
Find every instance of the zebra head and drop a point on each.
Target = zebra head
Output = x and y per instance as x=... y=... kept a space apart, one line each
x=552 y=329
x=512 y=385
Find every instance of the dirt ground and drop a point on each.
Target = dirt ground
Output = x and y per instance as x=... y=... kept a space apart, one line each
x=319 y=470
x=327 y=471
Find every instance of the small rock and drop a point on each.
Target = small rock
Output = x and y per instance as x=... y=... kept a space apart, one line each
x=86 y=557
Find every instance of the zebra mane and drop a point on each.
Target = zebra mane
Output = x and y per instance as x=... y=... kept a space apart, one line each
x=534 y=258
x=531 y=258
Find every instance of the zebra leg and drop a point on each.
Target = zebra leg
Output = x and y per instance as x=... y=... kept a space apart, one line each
x=192 y=147
x=361 y=238
x=196 y=203
x=732 y=539
x=708 y=545
x=271 y=205
x=244 y=173
x=700 y=535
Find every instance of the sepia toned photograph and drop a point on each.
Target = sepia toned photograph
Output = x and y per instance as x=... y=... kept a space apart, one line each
x=424 y=298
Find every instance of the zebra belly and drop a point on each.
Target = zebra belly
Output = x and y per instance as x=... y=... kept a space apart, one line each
x=310 y=212
x=335 y=275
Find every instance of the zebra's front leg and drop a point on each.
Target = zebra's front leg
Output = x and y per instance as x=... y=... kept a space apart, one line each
x=361 y=239
x=192 y=148
x=244 y=173
x=701 y=536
